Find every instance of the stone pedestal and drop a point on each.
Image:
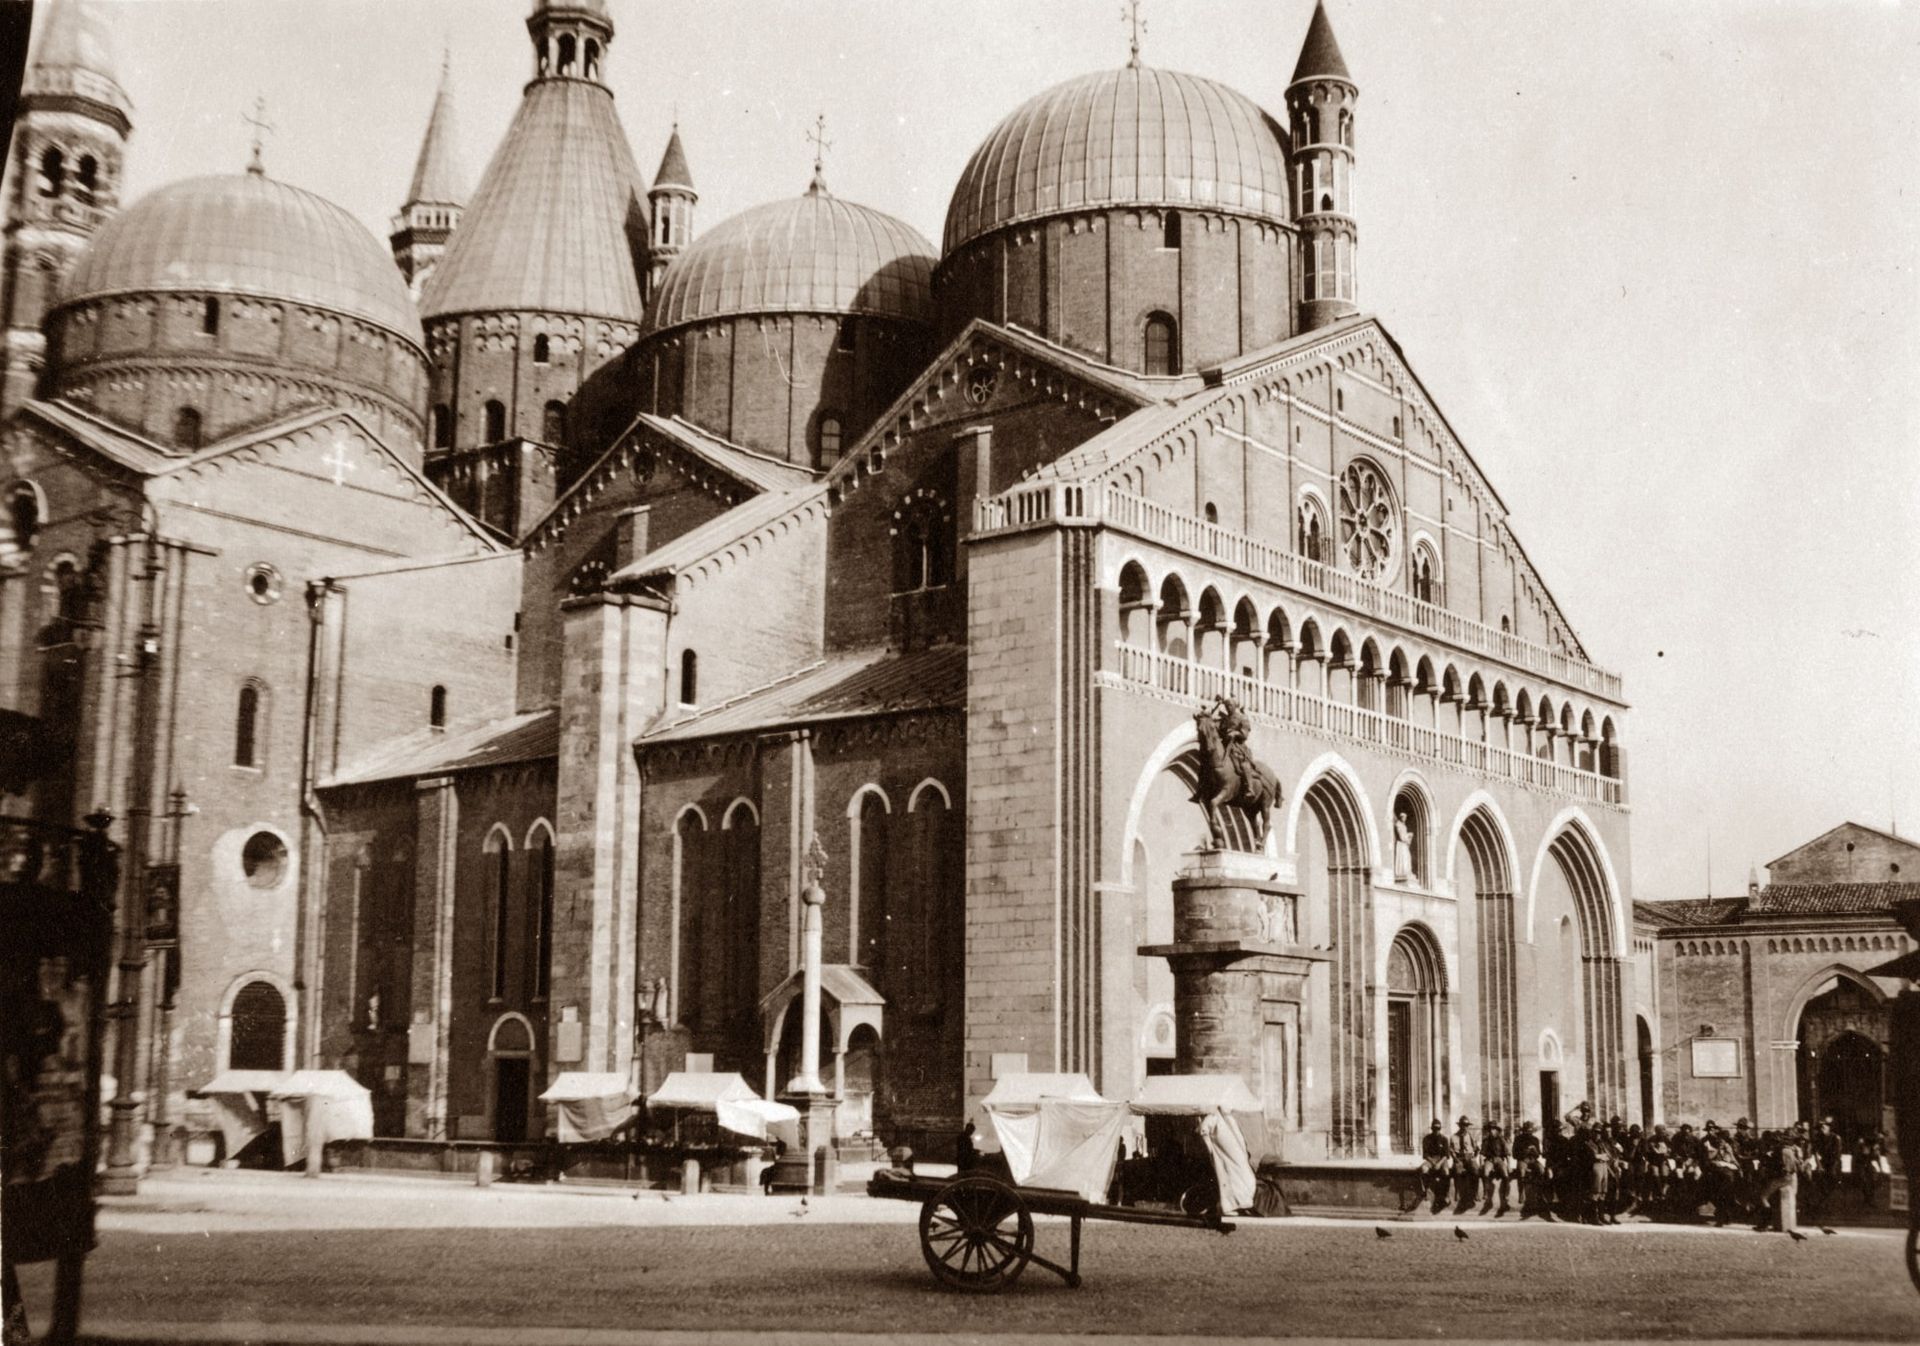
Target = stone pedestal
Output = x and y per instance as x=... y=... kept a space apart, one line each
x=1238 y=966
x=814 y=1165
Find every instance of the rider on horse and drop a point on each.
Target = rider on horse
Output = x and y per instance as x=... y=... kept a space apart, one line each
x=1234 y=729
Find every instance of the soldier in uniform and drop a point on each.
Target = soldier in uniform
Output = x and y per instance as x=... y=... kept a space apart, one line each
x=1496 y=1168
x=1436 y=1159
x=1235 y=728
x=1466 y=1165
x=1531 y=1161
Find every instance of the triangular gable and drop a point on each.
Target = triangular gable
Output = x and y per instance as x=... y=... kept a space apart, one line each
x=941 y=392
x=709 y=462
x=1846 y=827
x=1361 y=342
x=83 y=433
x=742 y=527
x=330 y=445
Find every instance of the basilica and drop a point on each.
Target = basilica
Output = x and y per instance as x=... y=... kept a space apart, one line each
x=484 y=629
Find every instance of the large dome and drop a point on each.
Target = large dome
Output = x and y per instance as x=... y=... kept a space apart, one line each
x=811 y=254
x=1132 y=136
x=246 y=234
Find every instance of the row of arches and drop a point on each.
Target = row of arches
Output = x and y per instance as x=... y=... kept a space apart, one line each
x=517 y=885
x=1835 y=944
x=493 y=420
x=1328 y=663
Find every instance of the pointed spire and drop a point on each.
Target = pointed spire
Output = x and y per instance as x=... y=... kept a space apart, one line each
x=437 y=177
x=1135 y=26
x=74 y=55
x=673 y=165
x=1320 y=53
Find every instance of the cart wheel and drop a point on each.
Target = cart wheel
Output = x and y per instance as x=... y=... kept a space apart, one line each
x=977 y=1234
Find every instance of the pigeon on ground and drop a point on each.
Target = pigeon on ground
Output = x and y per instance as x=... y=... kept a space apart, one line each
x=1460 y=1233
x=798 y=1213
x=1796 y=1236
x=1825 y=1230
x=1380 y=1233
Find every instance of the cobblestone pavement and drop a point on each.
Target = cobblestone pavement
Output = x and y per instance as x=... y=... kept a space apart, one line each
x=205 y=1255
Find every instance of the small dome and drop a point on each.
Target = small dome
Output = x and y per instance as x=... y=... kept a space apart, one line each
x=1132 y=136
x=810 y=254
x=246 y=234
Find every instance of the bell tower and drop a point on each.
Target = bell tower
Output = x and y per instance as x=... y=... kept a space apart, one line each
x=69 y=144
x=1320 y=107
x=672 y=199
x=570 y=39
x=435 y=196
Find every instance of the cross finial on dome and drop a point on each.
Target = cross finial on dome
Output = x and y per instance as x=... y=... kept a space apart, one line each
x=1130 y=13
x=818 y=137
x=257 y=119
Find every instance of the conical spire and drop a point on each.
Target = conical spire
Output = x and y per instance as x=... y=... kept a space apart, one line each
x=1320 y=53
x=437 y=175
x=673 y=165
x=74 y=56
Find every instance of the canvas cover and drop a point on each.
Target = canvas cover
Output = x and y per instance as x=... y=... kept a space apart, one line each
x=700 y=1090
x=1229 y=1113
x=761 y=1119
x=1027 y=1088
x=588 y=1105
x=238 y=1108
x=317 y=1106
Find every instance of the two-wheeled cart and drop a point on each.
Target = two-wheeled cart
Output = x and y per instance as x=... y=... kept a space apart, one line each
x=1062 y=1145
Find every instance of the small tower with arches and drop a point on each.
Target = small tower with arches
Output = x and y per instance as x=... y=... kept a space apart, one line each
x=1320 y=108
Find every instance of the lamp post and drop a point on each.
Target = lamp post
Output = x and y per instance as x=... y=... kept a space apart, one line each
x=122 y=1176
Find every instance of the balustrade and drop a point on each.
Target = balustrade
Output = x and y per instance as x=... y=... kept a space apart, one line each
x=1201 y=683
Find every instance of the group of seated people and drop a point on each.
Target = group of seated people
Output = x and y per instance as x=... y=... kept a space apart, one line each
x=1594 y=1172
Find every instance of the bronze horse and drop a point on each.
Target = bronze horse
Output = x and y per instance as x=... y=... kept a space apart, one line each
x=1219 y=784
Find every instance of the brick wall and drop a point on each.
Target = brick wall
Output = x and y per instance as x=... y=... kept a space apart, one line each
x=1850 y=854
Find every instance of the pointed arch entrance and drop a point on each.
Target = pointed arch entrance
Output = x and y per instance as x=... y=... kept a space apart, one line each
x=1491 y=875
x=1841 y=1059
x=1417 y=1065
x=1336 y=867
x=1599 y=1005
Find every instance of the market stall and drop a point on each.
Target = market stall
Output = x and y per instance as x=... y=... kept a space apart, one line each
x=238 y=1099
x=729 y=1100
x=317 y=1106
x=589 y=1105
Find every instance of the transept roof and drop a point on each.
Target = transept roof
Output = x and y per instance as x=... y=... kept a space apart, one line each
x=871 y=682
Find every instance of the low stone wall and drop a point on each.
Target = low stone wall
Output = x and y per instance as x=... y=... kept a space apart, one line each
x=1354 y=1187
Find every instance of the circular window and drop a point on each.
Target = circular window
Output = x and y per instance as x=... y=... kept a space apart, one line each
x=263 y=583
x=980 y=385
x=1369 y=523
x=264 y=858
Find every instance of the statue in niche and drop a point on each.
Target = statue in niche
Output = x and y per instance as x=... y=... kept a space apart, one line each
x=1229 y=777
x=1402 y=842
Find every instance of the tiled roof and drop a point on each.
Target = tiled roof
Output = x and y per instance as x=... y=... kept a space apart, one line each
x=1320 y=53
x=746 y=465
x=1690 y=911
x=870 y=683
x=245 y=233
x=528 y=737
x=1132 y=136
x=559 y=217
x=715 y=535
x=120 y=446
x=812 y=253
x=1829 y=899
x=1842 y=827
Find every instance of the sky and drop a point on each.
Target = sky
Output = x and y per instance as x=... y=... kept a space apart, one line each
x=1654 y=260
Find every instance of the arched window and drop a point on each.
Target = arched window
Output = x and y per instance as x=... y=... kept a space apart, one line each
x=496 y=422
x=437 y=707
x=689 y=678
x=827 y=436
x=186 y=428
x=844 y=339
x=1313 y=531
x=922 y=544
x=1423 y=568
x=53 y=173
x=1162 y=345
x=540 y=874
x=23 y=513
x=246 y=728
x=1170 y=230
x=210 y=317
x=1506 y=623
x=553 y=424
x=500 y=861
x=1212 y=514
x=593 y=59
x=1346 y=128
x=542 y=349
x=567 y=49
x=259 y=1035
x=89 y=178
x=442 y=426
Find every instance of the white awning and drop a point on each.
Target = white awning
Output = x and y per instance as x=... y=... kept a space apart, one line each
x=1190 y=1094
x=572 y=1086
x=243 y=1082
x=700 y=1091
x=760 y=1118
x=1027 y=1089
x=320 y=1083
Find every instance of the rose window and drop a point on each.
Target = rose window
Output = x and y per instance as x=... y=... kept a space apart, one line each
x=1369 y=523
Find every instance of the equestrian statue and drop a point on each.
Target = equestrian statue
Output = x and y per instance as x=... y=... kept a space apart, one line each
x=1228 y=776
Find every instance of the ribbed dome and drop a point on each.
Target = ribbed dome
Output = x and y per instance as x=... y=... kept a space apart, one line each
x=810 y=254
x=246 y=234
x=1132 y=136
